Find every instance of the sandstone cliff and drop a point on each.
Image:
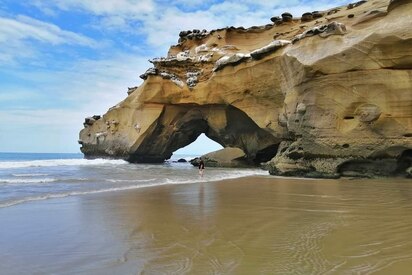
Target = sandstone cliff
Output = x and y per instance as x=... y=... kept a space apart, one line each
x=326 y=94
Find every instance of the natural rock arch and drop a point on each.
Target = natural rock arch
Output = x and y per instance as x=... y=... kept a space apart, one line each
x=328 y=107
x=180 y=125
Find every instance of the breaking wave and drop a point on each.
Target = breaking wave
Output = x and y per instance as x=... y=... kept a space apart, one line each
x=14 y=181
x=30 y=175
x=59 y=162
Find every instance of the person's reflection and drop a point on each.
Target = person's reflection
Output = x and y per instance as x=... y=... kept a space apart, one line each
x=201 y=197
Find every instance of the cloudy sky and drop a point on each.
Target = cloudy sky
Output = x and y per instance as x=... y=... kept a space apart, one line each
x=63 y=60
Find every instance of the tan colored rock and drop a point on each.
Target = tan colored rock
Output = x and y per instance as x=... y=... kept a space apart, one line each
x=334 y=102
x=368 y=112
x=226 y=157
x=398 y=3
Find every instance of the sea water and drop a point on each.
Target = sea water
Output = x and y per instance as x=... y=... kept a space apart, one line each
x=28 y=177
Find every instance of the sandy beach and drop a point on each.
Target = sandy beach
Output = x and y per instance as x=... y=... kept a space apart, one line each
x=251 y=225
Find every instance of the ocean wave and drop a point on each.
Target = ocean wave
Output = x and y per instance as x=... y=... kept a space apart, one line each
x=129 y=180
x=59 y=162
x=24 y=181
x=16 y=181
x=30 y=175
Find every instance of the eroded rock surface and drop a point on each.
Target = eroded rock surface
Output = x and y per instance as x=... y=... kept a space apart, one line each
x=337 y=101
x=226 y=157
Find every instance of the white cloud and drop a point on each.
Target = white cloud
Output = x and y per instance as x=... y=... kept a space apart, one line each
x=190 y=3
x=101 y=7
x=12 y=49
x=24 y=27
x=100 y=84
x=97 y=84
x=17 y=34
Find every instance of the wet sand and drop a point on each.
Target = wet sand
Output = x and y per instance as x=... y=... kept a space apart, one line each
x=255 y=225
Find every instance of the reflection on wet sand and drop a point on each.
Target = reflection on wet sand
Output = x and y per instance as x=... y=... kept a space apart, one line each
x=243 y=226
x=279 y=226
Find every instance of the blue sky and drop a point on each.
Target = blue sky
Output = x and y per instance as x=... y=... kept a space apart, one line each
x=63 y=60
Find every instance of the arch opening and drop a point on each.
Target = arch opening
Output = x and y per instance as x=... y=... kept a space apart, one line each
x=180 y=125
x=202 y=145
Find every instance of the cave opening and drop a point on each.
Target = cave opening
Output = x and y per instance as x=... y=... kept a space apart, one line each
x=266 y=154
x=202 y=145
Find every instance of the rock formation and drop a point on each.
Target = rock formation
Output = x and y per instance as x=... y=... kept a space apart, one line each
x=226 y=157
x=337 y=101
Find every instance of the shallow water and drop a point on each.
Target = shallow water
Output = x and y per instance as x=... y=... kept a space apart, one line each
x=26 y=177
x=254 y=225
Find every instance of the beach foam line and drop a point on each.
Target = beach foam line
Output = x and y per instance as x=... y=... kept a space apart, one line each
x=25 y=180
x=73 y=193
x=30 y=175
x=60 y=162
x=129 y=180
x=223 y=176
x=15 y=181
x=167 y=181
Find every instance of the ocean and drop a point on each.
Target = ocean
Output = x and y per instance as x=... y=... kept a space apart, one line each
x=26 y=177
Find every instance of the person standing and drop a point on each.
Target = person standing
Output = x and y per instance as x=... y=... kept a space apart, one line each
x=201 y=167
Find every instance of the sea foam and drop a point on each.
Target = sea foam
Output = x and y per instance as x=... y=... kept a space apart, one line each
x=34 y=180
x=29 y=175
x=59 y=162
